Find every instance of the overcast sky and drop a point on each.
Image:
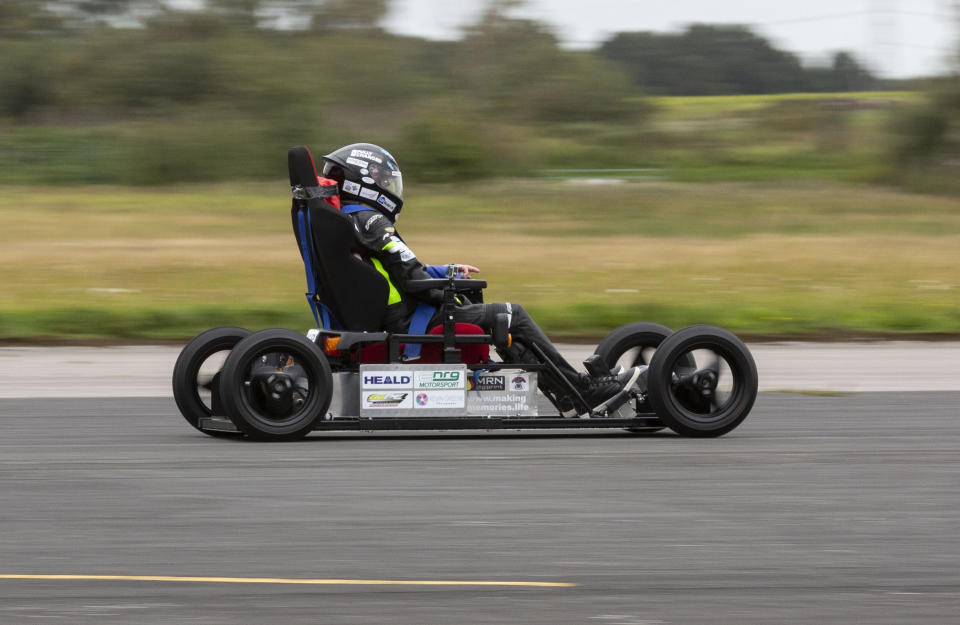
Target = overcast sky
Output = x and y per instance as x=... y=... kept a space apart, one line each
x=897 y=38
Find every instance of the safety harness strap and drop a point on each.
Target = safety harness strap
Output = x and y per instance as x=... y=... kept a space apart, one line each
x=349 y=209
x=418 y=325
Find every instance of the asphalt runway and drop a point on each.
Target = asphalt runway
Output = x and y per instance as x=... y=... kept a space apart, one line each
x=819 y=509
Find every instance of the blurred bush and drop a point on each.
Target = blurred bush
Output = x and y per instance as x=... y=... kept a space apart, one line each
x=926 y=144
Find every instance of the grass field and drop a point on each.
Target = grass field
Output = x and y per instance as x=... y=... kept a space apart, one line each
x=688 y=107
x=774 y=258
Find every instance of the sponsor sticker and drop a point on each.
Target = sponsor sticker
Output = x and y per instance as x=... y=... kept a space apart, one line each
x=387 y=399
x=366 y=154
x=498 y=404
x=489 y=383
x=519 y=383
x=368 y=180
x=386 y=379
x=351 y=187
x=357 y=162
x=426 y=400
x=438 y=379
x=387 y=203
x=370 y=194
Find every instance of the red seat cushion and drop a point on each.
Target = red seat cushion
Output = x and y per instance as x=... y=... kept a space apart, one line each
x=432 y=353
x=469 y=354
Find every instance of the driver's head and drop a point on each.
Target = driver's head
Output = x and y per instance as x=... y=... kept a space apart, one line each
x=367 y=174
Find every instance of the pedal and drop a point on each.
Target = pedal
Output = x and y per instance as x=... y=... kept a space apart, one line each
x=627 y=410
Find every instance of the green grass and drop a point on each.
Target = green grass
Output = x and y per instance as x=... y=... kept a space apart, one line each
x=687 y=107
x=805 y=257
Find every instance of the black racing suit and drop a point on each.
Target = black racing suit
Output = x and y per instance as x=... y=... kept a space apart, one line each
x=379 y=242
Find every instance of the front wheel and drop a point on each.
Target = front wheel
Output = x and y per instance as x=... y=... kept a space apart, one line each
x=702 y=381
x=631 y=345
x=275 y=385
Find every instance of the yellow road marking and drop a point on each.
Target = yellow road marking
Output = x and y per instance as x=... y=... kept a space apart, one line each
x=277 y=580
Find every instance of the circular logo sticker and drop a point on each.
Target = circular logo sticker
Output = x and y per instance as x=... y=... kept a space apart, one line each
x=422 y=399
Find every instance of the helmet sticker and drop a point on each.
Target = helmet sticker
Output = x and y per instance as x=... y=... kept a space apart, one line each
x=387 y=203
x=351 y=187
x=367 y=154
x=370 y=194
x=357 y=162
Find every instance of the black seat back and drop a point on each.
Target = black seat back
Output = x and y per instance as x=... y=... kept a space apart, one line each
x=352 y=289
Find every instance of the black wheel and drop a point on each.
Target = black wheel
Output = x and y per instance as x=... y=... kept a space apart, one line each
x=631 y=345
x=275 y=385
x=709 y=397
x=196 y=375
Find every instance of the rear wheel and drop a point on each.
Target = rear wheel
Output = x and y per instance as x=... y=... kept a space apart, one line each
x=196 y=375
x=702 y=381
x=275 y=385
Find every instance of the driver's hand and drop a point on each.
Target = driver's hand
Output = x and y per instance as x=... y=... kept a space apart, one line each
x=464 y=271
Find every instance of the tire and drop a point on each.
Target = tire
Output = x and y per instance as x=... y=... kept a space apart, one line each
x=254 y=366
x=186 y=383
x=642 y=336
x=693 y=402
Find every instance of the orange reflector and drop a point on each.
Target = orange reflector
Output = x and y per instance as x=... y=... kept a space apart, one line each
x=509 y=339
x=330 y=344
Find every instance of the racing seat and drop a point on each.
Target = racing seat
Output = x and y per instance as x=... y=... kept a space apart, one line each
x=348 y=297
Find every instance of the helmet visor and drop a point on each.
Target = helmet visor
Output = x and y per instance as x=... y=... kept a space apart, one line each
x=391 y=182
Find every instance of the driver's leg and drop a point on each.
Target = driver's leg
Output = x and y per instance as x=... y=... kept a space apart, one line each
x=524 y=329
x=526 y=332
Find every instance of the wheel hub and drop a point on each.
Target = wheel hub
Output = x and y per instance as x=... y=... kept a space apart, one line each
x=273 y=391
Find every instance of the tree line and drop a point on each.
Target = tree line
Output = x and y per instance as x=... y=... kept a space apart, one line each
x=138 y=91
x=127 y=54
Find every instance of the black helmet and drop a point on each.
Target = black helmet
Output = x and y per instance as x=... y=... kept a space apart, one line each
x=369 y=173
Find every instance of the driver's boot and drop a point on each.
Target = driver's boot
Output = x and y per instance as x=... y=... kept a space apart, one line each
x=597 y=391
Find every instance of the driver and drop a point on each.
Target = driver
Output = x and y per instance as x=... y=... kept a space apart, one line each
x=371 y=192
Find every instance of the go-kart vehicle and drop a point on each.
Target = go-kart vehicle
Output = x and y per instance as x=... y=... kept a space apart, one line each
x=346 y=374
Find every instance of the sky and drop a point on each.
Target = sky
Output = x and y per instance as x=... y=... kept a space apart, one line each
x=895 y=38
